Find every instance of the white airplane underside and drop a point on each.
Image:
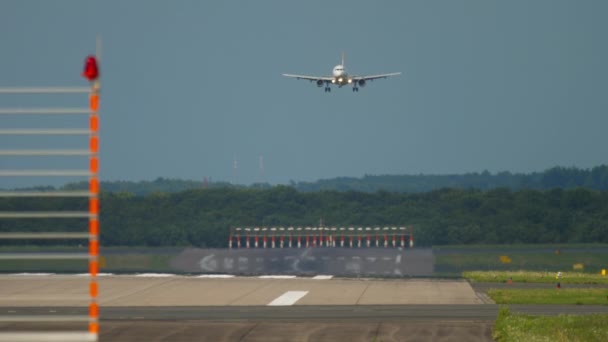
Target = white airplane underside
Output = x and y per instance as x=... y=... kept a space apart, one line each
x=341 y=78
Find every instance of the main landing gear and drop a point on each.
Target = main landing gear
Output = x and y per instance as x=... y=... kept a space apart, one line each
x=327 y=89
x=355 y=89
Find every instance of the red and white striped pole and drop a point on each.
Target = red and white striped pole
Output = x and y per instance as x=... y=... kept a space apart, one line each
x=94 y=191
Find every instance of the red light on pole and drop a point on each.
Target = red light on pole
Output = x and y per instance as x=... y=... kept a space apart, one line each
x=91 y=70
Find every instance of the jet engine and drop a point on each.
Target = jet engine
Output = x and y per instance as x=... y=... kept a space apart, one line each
x=361 y=83
x=319 y=83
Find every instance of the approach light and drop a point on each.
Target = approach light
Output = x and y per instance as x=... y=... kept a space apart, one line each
x=91 y=70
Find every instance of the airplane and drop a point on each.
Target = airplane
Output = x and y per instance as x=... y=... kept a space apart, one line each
x=341 y=78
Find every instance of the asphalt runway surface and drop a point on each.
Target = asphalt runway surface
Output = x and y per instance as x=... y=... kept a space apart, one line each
x=171 y=290
x=178 y=308
x=258 y=331
x=294 y=323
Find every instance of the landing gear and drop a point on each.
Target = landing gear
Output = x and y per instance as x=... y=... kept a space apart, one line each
x=327 y=89
x=355 y=89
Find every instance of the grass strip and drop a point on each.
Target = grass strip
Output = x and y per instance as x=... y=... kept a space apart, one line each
x=520 y=327
x=550 y=296
x=535 y=277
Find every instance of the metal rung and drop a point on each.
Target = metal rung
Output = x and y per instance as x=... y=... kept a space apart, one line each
x=45 y=111
x=45 y=152
x=46 y=214
x=54 y=336
x=46 y=194
x=45 y=90
x=36 y=173
x=44 y=131
x=44 y=256
x=44 y=318
x=60 y=235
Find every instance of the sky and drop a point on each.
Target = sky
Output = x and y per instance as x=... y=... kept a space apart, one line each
x=190 y=86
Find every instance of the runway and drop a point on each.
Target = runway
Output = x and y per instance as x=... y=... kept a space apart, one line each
x=171 y=290
x=164 y=307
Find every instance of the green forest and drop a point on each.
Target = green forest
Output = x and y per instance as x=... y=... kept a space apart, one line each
x=203 y=217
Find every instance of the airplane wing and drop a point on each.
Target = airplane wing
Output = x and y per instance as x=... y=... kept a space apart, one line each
x=375 y=77
x=310 y=78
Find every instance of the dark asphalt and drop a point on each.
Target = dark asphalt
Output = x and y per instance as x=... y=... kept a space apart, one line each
x=279 y=331
x=312 y=312
x=296 y=323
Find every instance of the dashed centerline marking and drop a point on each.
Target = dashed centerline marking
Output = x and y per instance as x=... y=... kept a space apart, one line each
x=288 y=298
x=322 y=277
x=277 y=277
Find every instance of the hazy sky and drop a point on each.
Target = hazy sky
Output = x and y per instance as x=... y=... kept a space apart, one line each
x=188 y=85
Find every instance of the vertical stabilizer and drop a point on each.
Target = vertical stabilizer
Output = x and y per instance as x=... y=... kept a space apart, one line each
x=342 y=58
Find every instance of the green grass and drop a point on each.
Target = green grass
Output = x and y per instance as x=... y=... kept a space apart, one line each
x=550 y=296
x=559 y=257
x=110 y=263
x=113 y=259
x=535 y=277
x=50 y=266
x=521 y=246
x=518 y=327
x=566 y=260
x=138 y=262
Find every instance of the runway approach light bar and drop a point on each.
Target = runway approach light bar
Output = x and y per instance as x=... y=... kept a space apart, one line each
x=304 y=237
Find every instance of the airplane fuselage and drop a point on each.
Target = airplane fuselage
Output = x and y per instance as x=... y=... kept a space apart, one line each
x=340 y=76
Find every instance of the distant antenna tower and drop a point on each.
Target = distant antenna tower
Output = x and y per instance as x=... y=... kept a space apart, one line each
x=235 y=170
x=261 y=180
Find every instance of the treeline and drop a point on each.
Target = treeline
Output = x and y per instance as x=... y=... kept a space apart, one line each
x=595 y=178
x=448 y=216
x=558 y=177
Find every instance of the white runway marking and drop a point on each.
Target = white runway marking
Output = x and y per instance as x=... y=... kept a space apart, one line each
x=277 y=277
x=323 y=277
x=32 y=274
x=398 y=259
x=216 y=276
x=160 y=275
x=288 y=298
